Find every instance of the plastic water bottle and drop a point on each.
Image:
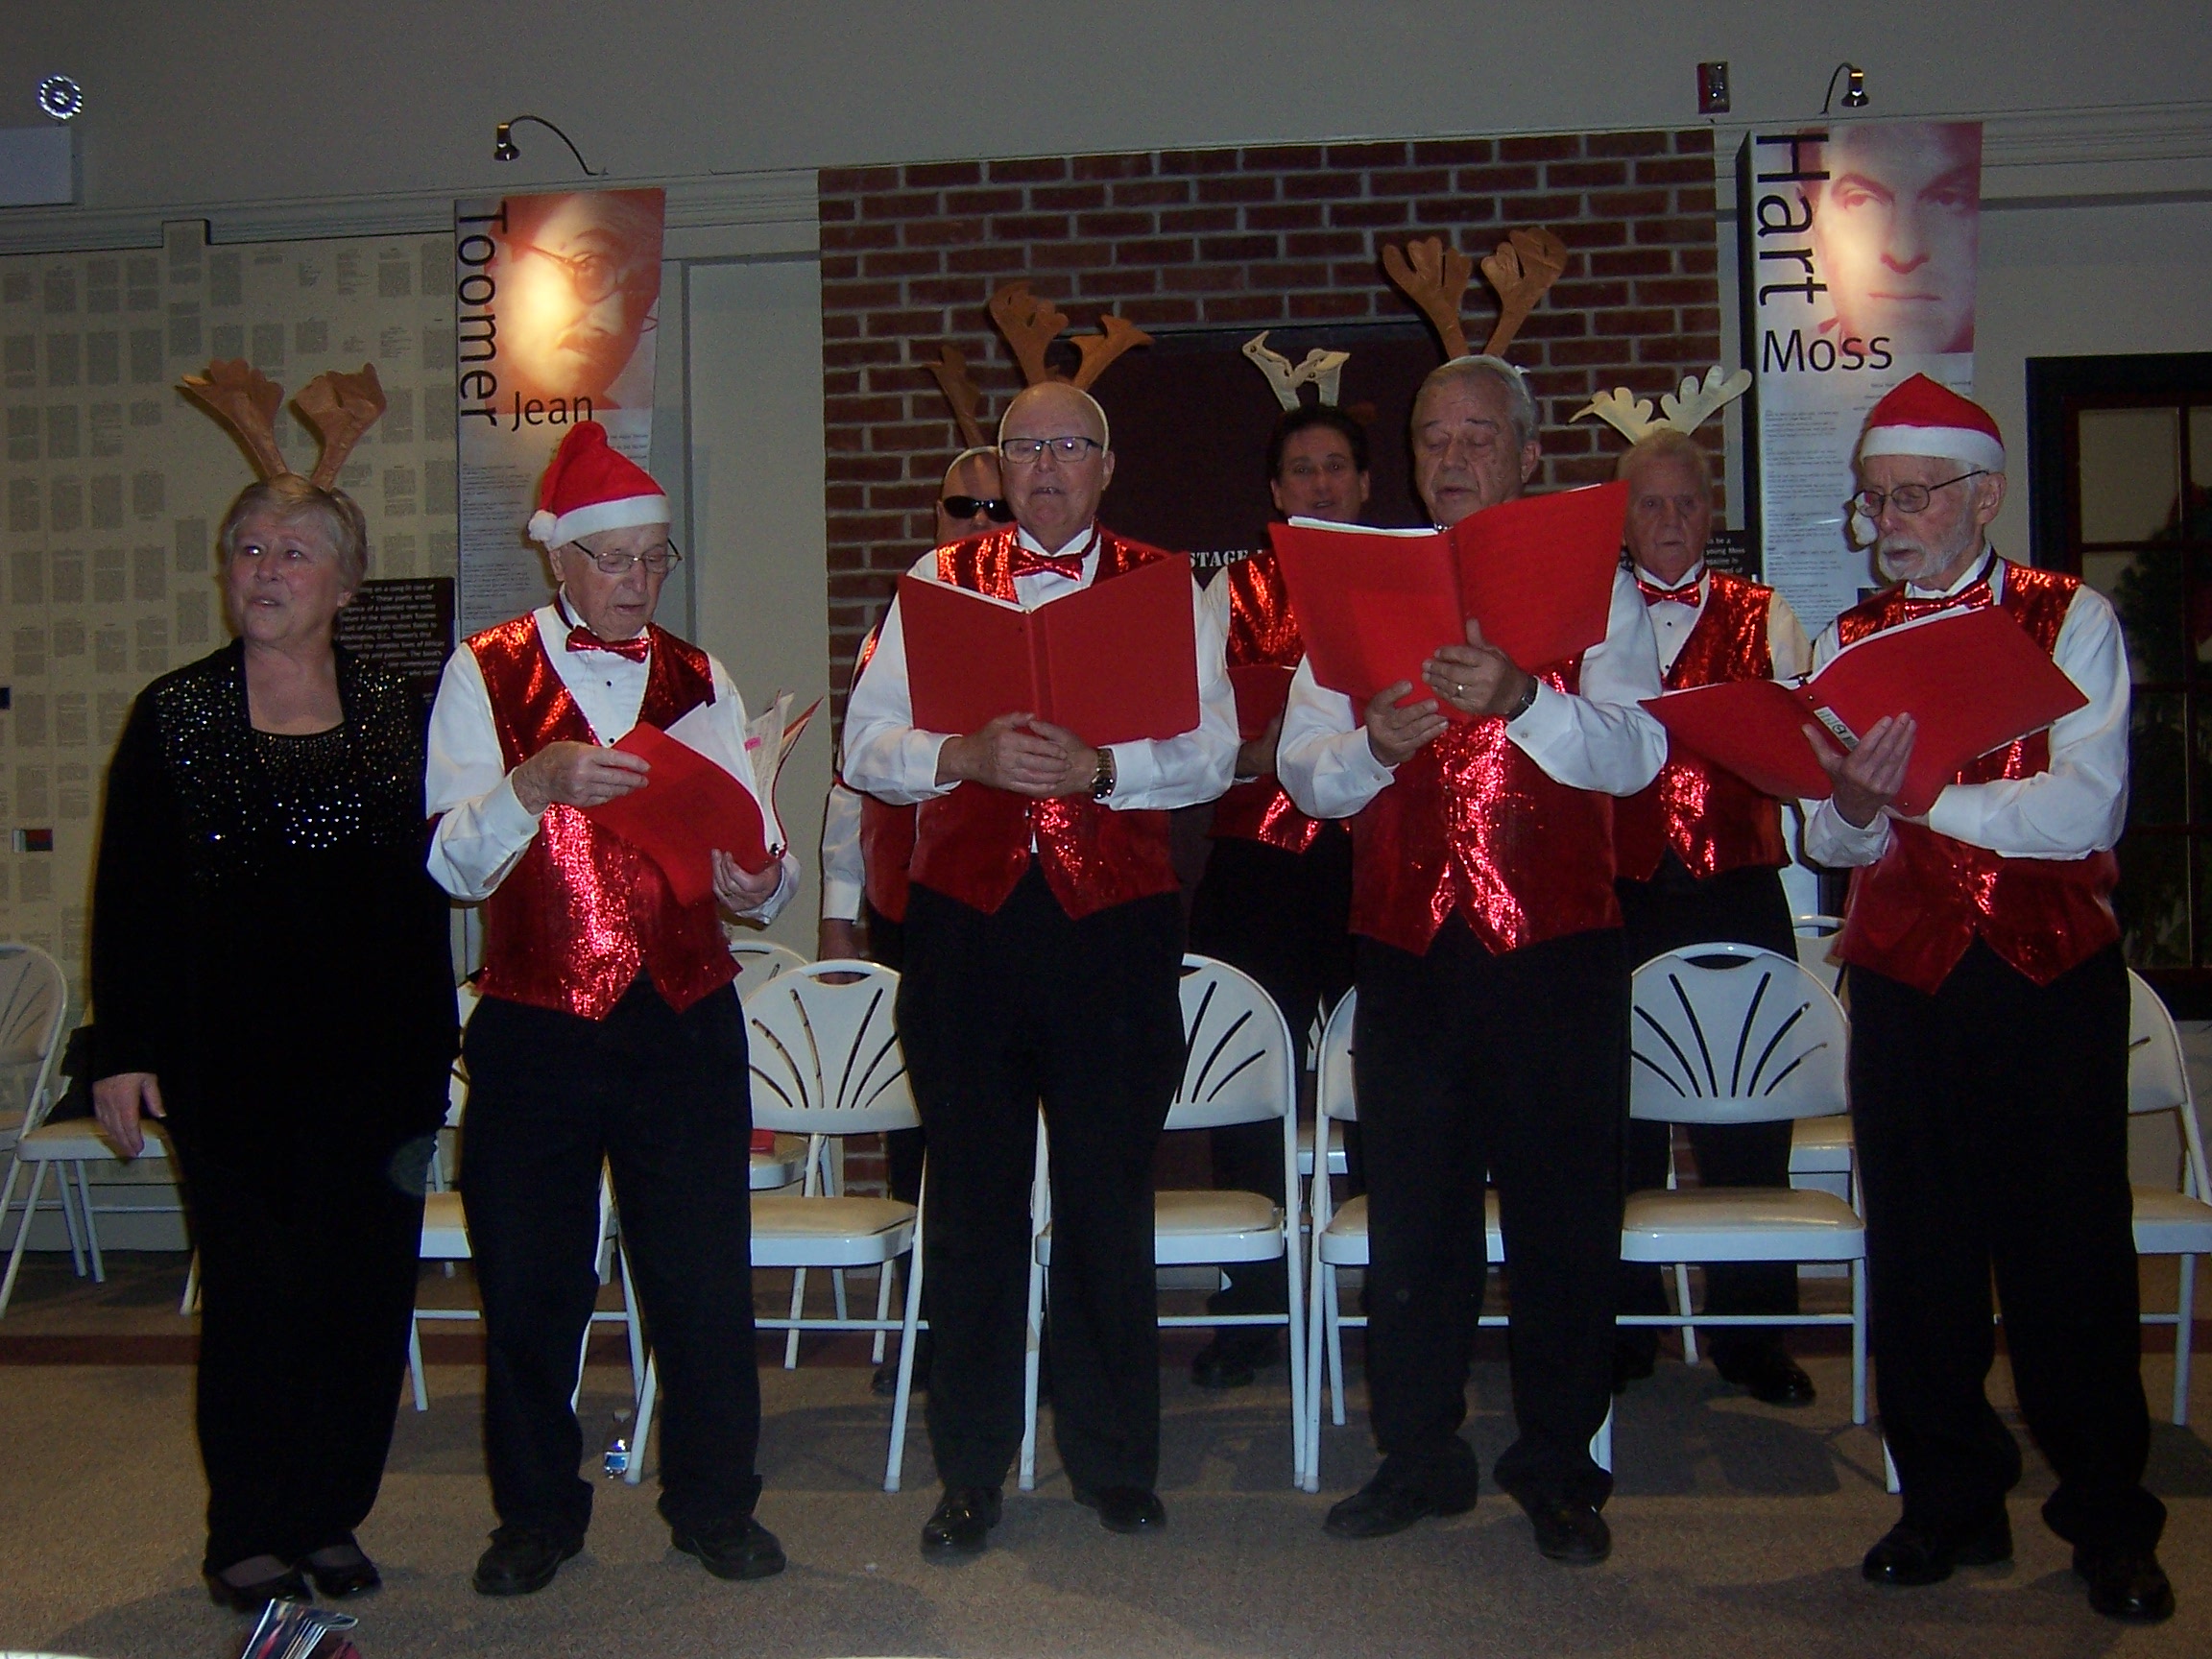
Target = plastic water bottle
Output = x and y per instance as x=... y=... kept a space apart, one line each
x=619 y=1448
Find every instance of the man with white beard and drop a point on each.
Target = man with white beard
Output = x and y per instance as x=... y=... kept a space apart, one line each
x=1989 y=1049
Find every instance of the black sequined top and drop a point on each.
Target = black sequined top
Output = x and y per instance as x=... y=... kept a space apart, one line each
x=265 y=938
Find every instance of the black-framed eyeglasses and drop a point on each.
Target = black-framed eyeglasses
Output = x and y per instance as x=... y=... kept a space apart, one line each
x=595 y=276
x=1908 y=498
x=968 y=506
x=1027 y=451
x=658 y=561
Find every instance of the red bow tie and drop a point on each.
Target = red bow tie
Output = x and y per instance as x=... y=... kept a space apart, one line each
x=582 y=639
x=1024 y=562
x=1690 y=593
x=1972 y=597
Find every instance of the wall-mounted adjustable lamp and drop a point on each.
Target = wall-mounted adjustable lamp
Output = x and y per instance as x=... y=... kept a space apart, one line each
x=503 y=146
x=1853 y=88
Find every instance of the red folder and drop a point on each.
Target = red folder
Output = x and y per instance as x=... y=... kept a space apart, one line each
x=1116 y=663
x=1373 y=605
x=1973 y=680
x=688 y=808
x=1262 y=691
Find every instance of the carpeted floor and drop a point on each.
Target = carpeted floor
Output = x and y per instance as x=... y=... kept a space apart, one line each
x=1738 y=1529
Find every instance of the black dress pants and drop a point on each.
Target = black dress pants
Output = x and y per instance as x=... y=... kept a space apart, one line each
x=997 y=1013
x=1515 y=1063
x=665 y=1099
x=1673 y=909
x=307 y=1270
x=1286 y=918
x=1991 y=1120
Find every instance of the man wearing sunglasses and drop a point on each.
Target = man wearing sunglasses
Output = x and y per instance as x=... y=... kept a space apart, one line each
x=1989 y=1026
x=1043 y=946
x=867 y=845
x=607 y=1031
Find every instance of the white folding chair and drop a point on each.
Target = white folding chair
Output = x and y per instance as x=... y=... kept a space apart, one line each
x=1238 y=1067
x=1734 y=1034
x=759 y=960
x=2169 y=1221
x=1340 y=1241
x=1816 y=937
x=445 y=1240
x=33 y=1015
x=826 y=1063
x=32 y=995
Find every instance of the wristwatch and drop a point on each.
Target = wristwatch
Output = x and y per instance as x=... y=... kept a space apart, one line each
x=1102 y=780
x=1524 y=702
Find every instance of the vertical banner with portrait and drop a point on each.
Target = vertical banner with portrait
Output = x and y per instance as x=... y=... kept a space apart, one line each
x=556 y=299
x=1858 y=244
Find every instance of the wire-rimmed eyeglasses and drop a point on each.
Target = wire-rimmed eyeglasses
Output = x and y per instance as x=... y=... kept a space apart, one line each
x=1027 y=451
x=1908 y=498
x=658 y=561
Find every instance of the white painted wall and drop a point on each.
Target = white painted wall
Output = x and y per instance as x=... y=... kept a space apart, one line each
x=759 y=591
x=242 y=100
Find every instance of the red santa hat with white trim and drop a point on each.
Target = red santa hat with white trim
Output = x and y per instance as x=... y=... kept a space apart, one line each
x=1921 y=418
x=590 y=487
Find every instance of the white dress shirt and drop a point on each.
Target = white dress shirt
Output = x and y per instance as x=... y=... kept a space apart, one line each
x=1672 y=624
x=484 y=828
x=1601 y=738
x=844 y=872
x=887 y=757
x=2077 y=807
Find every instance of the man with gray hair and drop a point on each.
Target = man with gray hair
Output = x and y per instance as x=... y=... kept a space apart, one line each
x=1043 y=953
x=1492 y=1033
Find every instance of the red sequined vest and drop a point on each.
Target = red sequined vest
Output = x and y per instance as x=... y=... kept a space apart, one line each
x=583 y=911
x=1470 y=824
x=1261 y=633
x=973 y=844
x=1913 y=913
x=886 y=832
x=1712 y=820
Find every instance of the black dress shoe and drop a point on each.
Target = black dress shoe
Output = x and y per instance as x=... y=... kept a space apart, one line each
x=1768 y=1376
x=522 y=1561
x=961 y=1522
x=1569 y=1530
x=1909 y=1554
x=2126 y=1584
x=1235 y=1355
x=1124 y=1508
x=287 y=1586
x=345 y=1573
x=1392 y=1502
x=739 y=1548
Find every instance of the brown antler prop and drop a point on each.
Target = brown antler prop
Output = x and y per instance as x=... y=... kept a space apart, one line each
x=1116 y=336
x=1525 y=264
x=950 y=372
x=1030 y=324
x=340 y=407
x=1434 y=277
x=246 y=401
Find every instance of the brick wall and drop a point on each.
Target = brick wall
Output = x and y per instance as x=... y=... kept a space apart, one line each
x=1215 y=239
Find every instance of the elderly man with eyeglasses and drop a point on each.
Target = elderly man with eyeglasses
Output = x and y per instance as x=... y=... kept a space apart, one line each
x=1043 y=943
x=608 y=1032
x=1990 y=1018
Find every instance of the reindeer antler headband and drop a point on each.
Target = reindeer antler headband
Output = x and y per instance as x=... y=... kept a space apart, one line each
x=1435 y=277
x=1684 y=409
x=1030 y=324
x=340 y=407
